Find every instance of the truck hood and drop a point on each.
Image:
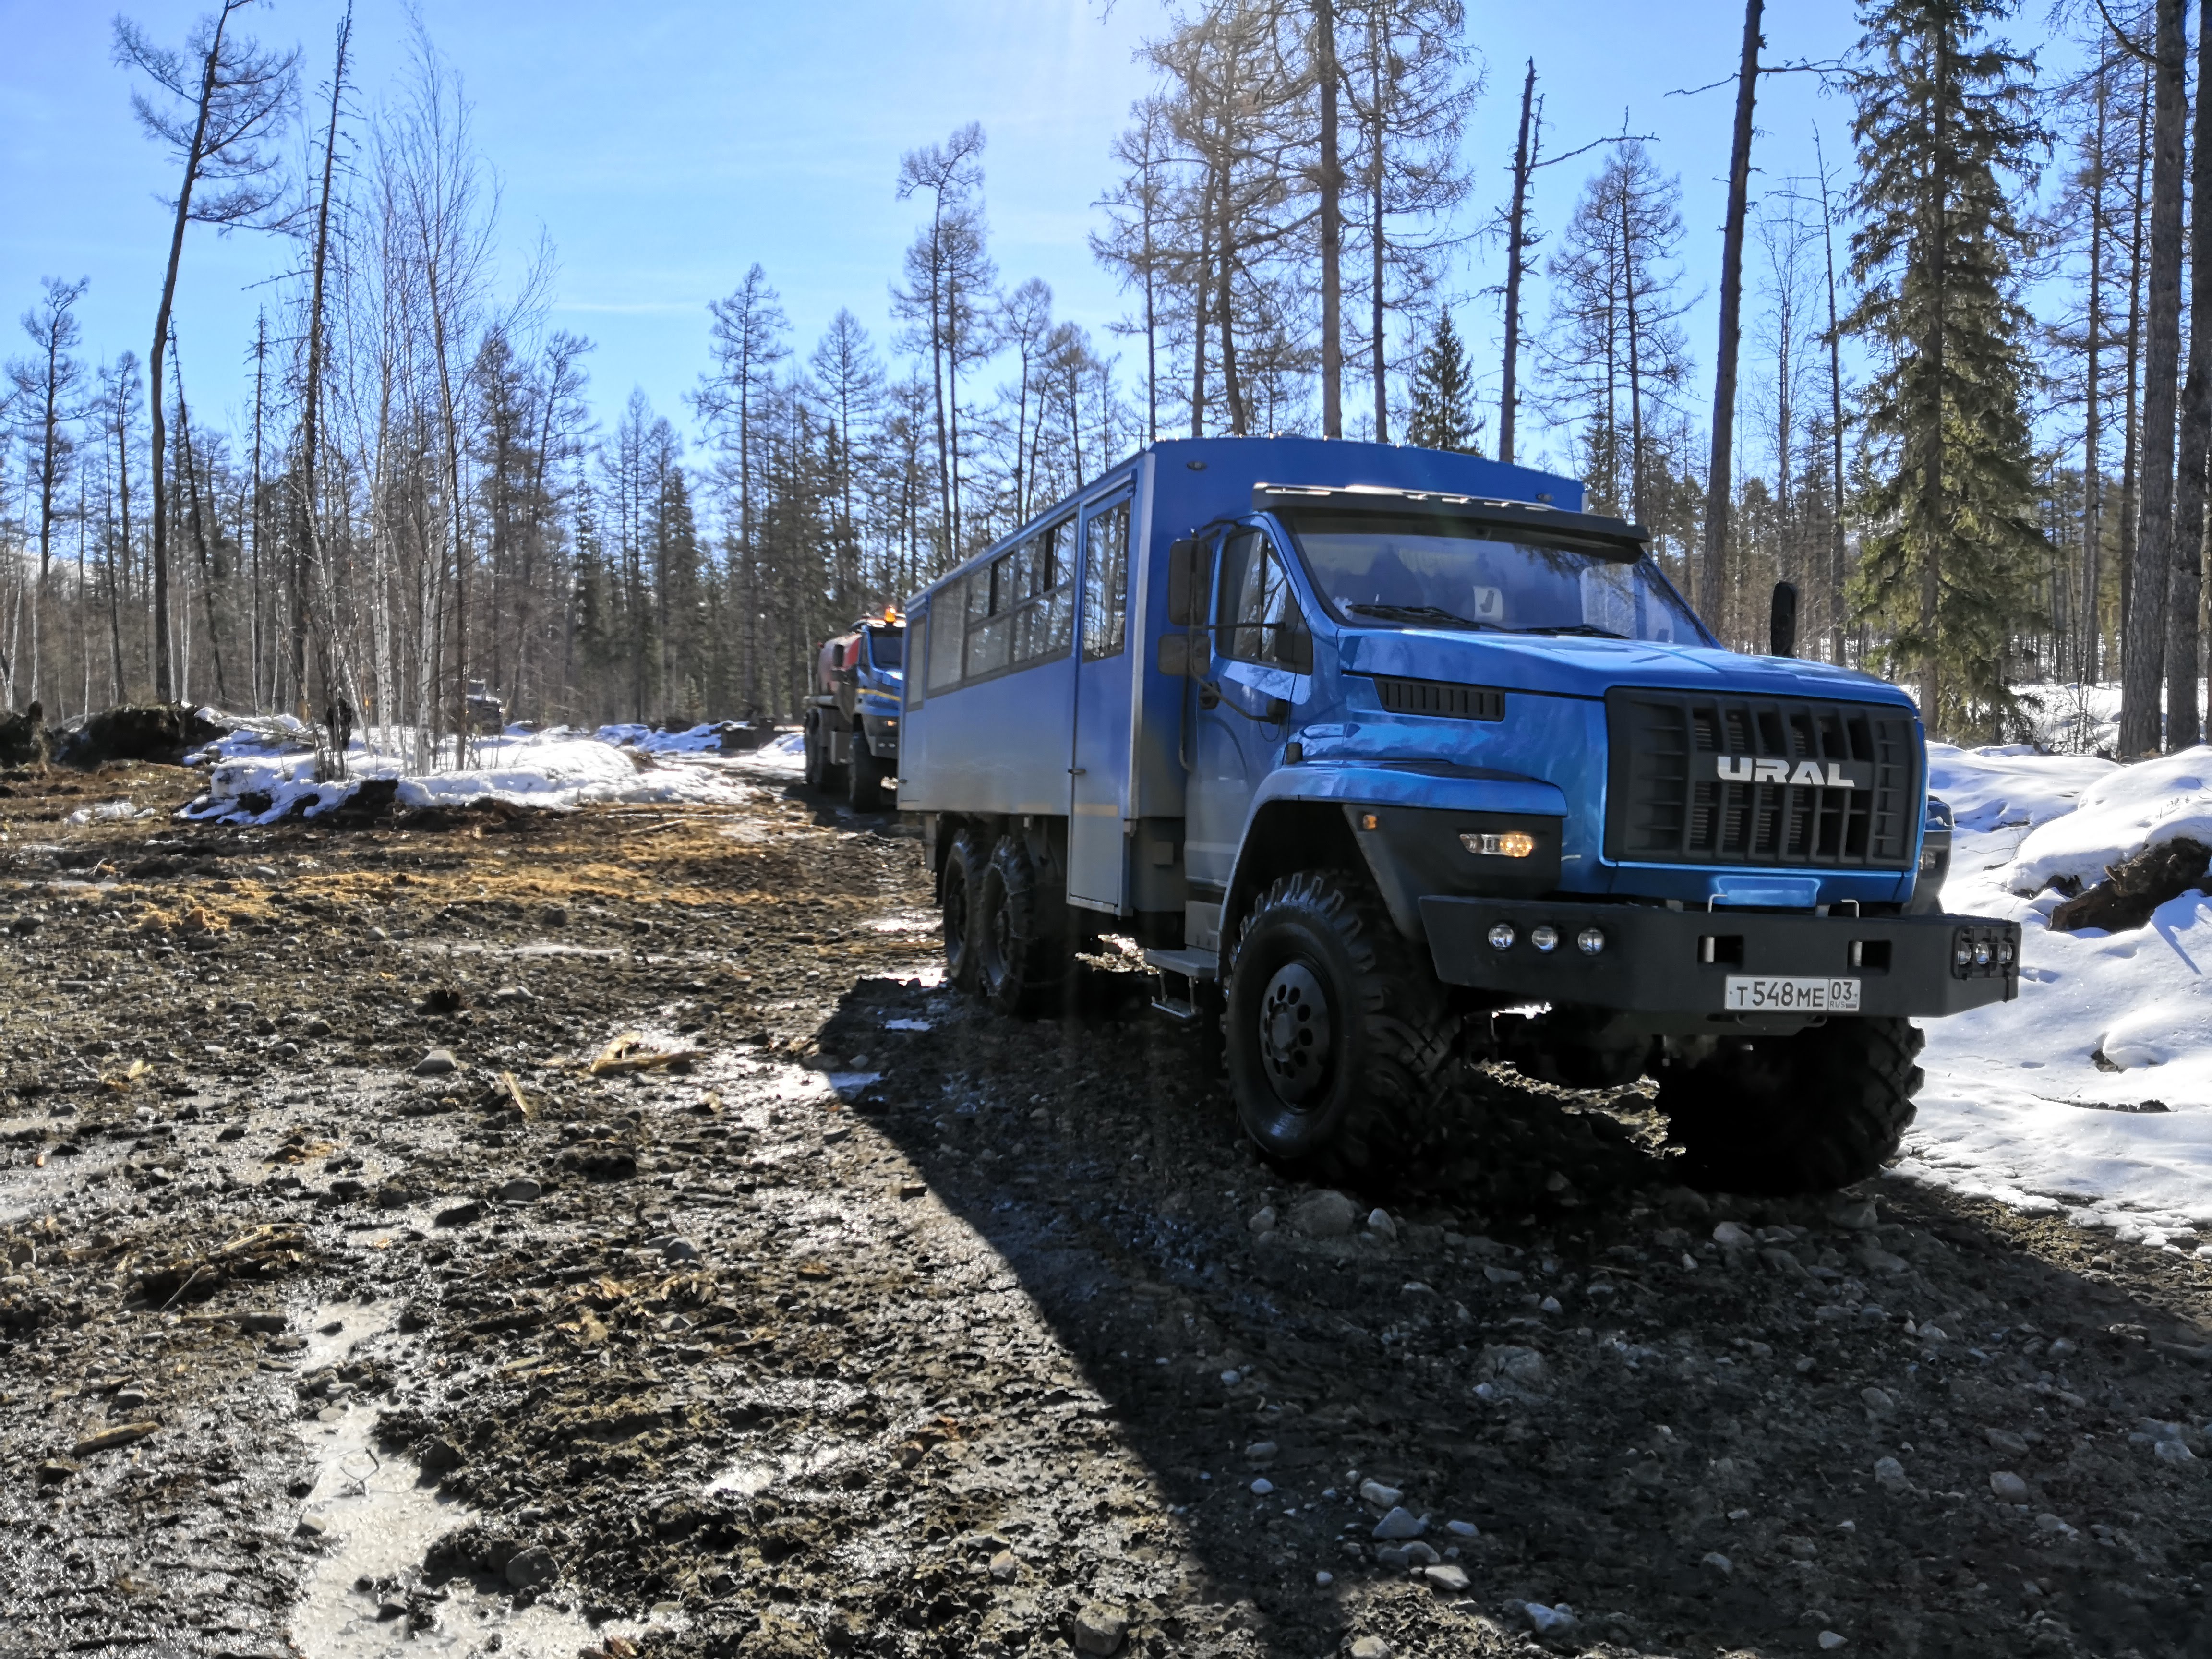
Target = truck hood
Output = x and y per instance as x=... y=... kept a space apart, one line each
x=1573 y=666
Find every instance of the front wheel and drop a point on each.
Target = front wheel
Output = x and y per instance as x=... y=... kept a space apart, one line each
x=1338 y=1039
x=1807 y=1113
x=864 y=777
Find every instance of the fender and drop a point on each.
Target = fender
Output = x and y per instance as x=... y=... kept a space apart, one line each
x=1319 y=797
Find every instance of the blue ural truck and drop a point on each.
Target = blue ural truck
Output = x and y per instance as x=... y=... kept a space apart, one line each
x=1391 y=760
x=852 y=716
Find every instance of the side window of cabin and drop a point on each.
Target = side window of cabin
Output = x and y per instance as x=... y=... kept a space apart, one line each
x=990 y=617
x=916 y=652
x=1048 y=594
x=947 y=631
x=1259 y=608
x=1106 y=579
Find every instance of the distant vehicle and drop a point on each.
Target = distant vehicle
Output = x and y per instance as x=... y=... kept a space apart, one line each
x=1391 y=758
x=852 y=716
x=486 y=714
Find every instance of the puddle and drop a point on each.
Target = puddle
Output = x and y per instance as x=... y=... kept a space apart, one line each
x=849 y=1083
x=906 y=921
x=381 y=1520
x=906 y=1025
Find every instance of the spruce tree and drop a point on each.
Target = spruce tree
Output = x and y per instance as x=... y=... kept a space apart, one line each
x=1444 y=395
x=1947 y=141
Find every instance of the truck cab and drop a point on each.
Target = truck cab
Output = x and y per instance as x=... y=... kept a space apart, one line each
x=1409 y=761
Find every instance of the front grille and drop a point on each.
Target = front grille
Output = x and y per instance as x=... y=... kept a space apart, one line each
x=1465 y=702
x=1701 y=779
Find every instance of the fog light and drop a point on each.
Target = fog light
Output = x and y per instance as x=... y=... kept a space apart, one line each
x=1928 y=861
x=1501 y=935
x=1589 y=941
x=1981 y=954
x=1544 y=936
x=2004 y=951
x=1962 y=952
x=1513 y=844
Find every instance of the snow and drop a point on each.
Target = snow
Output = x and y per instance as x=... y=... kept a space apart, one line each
x=2116 y=816
x=697 y=740
x=2016 y=1106
x=561 y=768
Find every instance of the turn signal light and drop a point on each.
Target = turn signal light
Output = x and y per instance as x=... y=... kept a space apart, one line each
x=1513 y=844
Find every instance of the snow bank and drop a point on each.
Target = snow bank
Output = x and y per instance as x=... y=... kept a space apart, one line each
x=2017 y=1104
x=260 y=776
x=698 y=740
x=2116 y=816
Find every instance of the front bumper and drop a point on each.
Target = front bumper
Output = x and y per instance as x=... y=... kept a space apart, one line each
x=1678 y=962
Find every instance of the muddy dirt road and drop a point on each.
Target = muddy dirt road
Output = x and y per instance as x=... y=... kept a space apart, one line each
x=347 y=1311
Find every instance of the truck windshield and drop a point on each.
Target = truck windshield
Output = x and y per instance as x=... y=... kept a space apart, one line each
x=887 y=647
x=1418 y=571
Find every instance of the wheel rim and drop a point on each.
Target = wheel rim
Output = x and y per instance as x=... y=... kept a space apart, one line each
x=1296 y=1037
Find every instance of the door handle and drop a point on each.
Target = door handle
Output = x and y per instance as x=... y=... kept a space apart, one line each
x=1209 y=694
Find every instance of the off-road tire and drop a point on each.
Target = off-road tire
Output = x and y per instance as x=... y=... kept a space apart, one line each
x=1380 y=1085
x=864 y=777
x=956 y=892
x=1809 y=1113
x=1022 y=937
x=812 y=741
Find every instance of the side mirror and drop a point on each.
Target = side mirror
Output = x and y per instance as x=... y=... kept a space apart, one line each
x=1782 y=621
x=1187 y=585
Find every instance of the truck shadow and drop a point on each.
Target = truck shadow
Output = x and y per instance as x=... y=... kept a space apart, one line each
x=1660 y=1437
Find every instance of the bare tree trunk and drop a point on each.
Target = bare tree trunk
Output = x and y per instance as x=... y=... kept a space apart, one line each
x=2182 y=727
x=1331 y=186
x=2090 y=646
x=2144 y=651
x=164 y=685
x=1517 y=220
x=2131 y=424
x=310 y=408
x=1838 y=568
x=1720 y=485
x=209 y=571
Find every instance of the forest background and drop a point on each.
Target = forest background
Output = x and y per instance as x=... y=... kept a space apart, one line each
x=1929 y=355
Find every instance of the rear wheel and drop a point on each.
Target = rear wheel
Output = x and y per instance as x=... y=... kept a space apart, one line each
x=956 y=888
x=1023 y=953
x=812 y=740
x=1338 y=1038
x=1806 y=1113
x=864 y=775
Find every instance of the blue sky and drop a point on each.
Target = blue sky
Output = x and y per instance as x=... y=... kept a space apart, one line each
x=664 y=145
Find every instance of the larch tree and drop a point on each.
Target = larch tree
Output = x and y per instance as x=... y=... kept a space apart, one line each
x=1948 y=140
x=1616 y=350
x=949 y=281
x=228 y=103
x=47 y=395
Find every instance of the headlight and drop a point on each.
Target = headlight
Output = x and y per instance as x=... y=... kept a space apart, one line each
x=1544 y=936
x=1513 y=844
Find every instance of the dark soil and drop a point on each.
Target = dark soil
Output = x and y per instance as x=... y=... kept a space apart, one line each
x=2136 y=887
x=871 y=1322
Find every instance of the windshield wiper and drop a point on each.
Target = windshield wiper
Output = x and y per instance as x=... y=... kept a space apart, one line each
x=1428 y=613
x=1588 y=628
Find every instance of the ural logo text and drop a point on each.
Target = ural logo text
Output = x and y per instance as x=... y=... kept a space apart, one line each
x=1742 y=768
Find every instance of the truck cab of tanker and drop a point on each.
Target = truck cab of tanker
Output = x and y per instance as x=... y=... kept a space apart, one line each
x=1389 y=760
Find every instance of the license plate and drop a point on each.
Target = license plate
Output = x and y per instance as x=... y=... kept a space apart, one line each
x=1759 y=993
